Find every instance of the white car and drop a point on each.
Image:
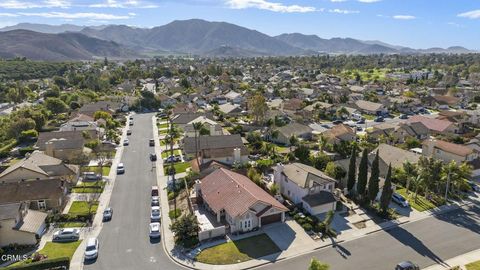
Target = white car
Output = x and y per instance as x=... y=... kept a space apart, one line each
x=126 y=142
x=155 y=214
x=66 y=235
x=400 y=200
x=91 y=250
x=154 y=230
x=120 y=168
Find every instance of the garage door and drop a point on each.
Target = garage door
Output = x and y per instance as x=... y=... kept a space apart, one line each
x=271 y=218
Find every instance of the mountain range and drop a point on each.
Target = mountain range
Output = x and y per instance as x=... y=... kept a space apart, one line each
x=197 y=37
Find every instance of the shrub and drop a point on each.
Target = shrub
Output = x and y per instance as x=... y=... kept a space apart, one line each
x=174 y=214
x=25 y=150
x=45 y=264
x=307 y=226
x=319 y=227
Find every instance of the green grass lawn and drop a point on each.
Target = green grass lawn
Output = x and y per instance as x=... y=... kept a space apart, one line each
x=473 y=266
x=81 y=208
x=58 y=250
x=165 y=154
x=239 y=251
x=163 y=131
x=180 y=167
x=368 y=116
x=421 y=204
x=161 y=126
x=89 y=187
x=71 y=224
x=105 y=169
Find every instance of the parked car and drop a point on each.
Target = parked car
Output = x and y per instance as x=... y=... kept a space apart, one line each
x=474 y=186
x=130 y=123
x=361 y=121
x=126 y=142
x=107 y=214
x=407 y=265
x=379 y=119
x=120 y=168
x=155 y=202
x=91 y=249
x=153 y=157
x=403 y=116
x=359 y=128
x=154 y=193
x=66 y=235
x=173 y=158
x=151 y=142
x=129 y=132
x=131 y=117
x=400 y=200
x=161 y=115
x=155 y=214
x=337 y=122
x=91 y=176
x=154 y=230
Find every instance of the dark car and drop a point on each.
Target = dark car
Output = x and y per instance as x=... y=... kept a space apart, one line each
x=403 y=116
x=337 y=122
x=107 y=214
x=379 y=119
x=407 y=265
x=172 y=158
x=361 y=121
x=153 y=157
x=151 y=142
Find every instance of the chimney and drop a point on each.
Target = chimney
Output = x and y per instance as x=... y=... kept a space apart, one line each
x=427 y=148
x=236 y=155
x=197 y=187
x=49 y=148
x=212 y=130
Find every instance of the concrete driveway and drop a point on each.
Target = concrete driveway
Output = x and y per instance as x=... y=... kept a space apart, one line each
x=289 y=236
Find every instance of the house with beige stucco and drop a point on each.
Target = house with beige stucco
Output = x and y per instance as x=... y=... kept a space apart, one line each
x=20 y=225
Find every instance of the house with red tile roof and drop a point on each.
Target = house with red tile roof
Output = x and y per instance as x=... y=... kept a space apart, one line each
x=238 y=202
x=435 y=126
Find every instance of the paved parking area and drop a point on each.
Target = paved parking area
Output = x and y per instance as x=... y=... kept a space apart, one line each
x=289 y=236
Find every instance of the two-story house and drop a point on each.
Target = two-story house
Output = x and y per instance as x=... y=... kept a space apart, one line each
x=306 y=186
x=447 y=151
x=20 y=225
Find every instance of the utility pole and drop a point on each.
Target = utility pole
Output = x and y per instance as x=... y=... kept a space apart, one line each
x=448 y=184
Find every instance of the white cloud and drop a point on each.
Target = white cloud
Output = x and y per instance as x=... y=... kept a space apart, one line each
x=343 y=11
x=15 y=4
x=272 y=6
x=403 y=17
x=338 y=1
x=8 y=15
x=455 y=24
x=474 y=14
x=80 y=15
x=369 y=1
x=123 y=4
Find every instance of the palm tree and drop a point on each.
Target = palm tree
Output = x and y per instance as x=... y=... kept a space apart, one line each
x=197 y=126
x=293 y=141
x=410 y=172
x=322 y=141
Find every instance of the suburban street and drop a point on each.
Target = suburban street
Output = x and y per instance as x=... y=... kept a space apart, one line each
x=124 y=241
x=425 y=242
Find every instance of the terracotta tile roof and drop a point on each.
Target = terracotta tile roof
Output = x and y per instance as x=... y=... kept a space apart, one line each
x=340 y=130
x=457 y=149
x=233 y=192
x=431 y=123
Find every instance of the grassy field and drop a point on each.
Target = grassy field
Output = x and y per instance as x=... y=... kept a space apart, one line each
x=58 y=250
x=473 y=266
x=163 y=131
x=239 y=251
x=180 y=167
x=367 y=75
x=421 y=204
x=165 y=154
x=96 y=169
x=81 y=208
x=162 y=126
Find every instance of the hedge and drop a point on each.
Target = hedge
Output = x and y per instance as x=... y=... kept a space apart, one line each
x=58 y=263
x=5 y=150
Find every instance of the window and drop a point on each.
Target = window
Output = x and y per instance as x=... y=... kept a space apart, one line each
x=41 y=204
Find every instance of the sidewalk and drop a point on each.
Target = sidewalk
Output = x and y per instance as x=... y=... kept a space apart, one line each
x=77 y=260
x=461 y=261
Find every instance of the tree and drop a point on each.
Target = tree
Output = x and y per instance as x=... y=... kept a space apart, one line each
x=373 y=182
x=258 y=107
x=185 y=228
x=352 y=171
x=319 y=161
x=56 y=105
x=302 y=152
x=102 y=115
x=274 y=188
x=334 y=171
x=362 y=175
x=387 y=191
x=293 y=141
x=322 y=141
x=197 y=126
x=317 y=265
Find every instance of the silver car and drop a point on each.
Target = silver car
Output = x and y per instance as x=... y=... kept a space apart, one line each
x=66 y=235
x=91 y=250
x=155 y=214
x=154 y=230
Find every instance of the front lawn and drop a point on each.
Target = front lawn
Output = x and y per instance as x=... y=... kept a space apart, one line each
x=421 y=204
x=239 y=251
x=96 y=169
x=162 y=126
x=89 y=187
x=71 y=225
x=163 y=131
x=81 y=208
x=180 y=167
x=473 y=266
x=57 y=250
x=166 y=154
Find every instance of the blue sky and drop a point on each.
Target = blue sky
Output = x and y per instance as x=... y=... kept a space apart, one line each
x=413 y=23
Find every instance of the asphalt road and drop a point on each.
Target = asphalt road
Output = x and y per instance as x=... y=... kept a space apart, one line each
x=124 y=241
x=426 y=242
